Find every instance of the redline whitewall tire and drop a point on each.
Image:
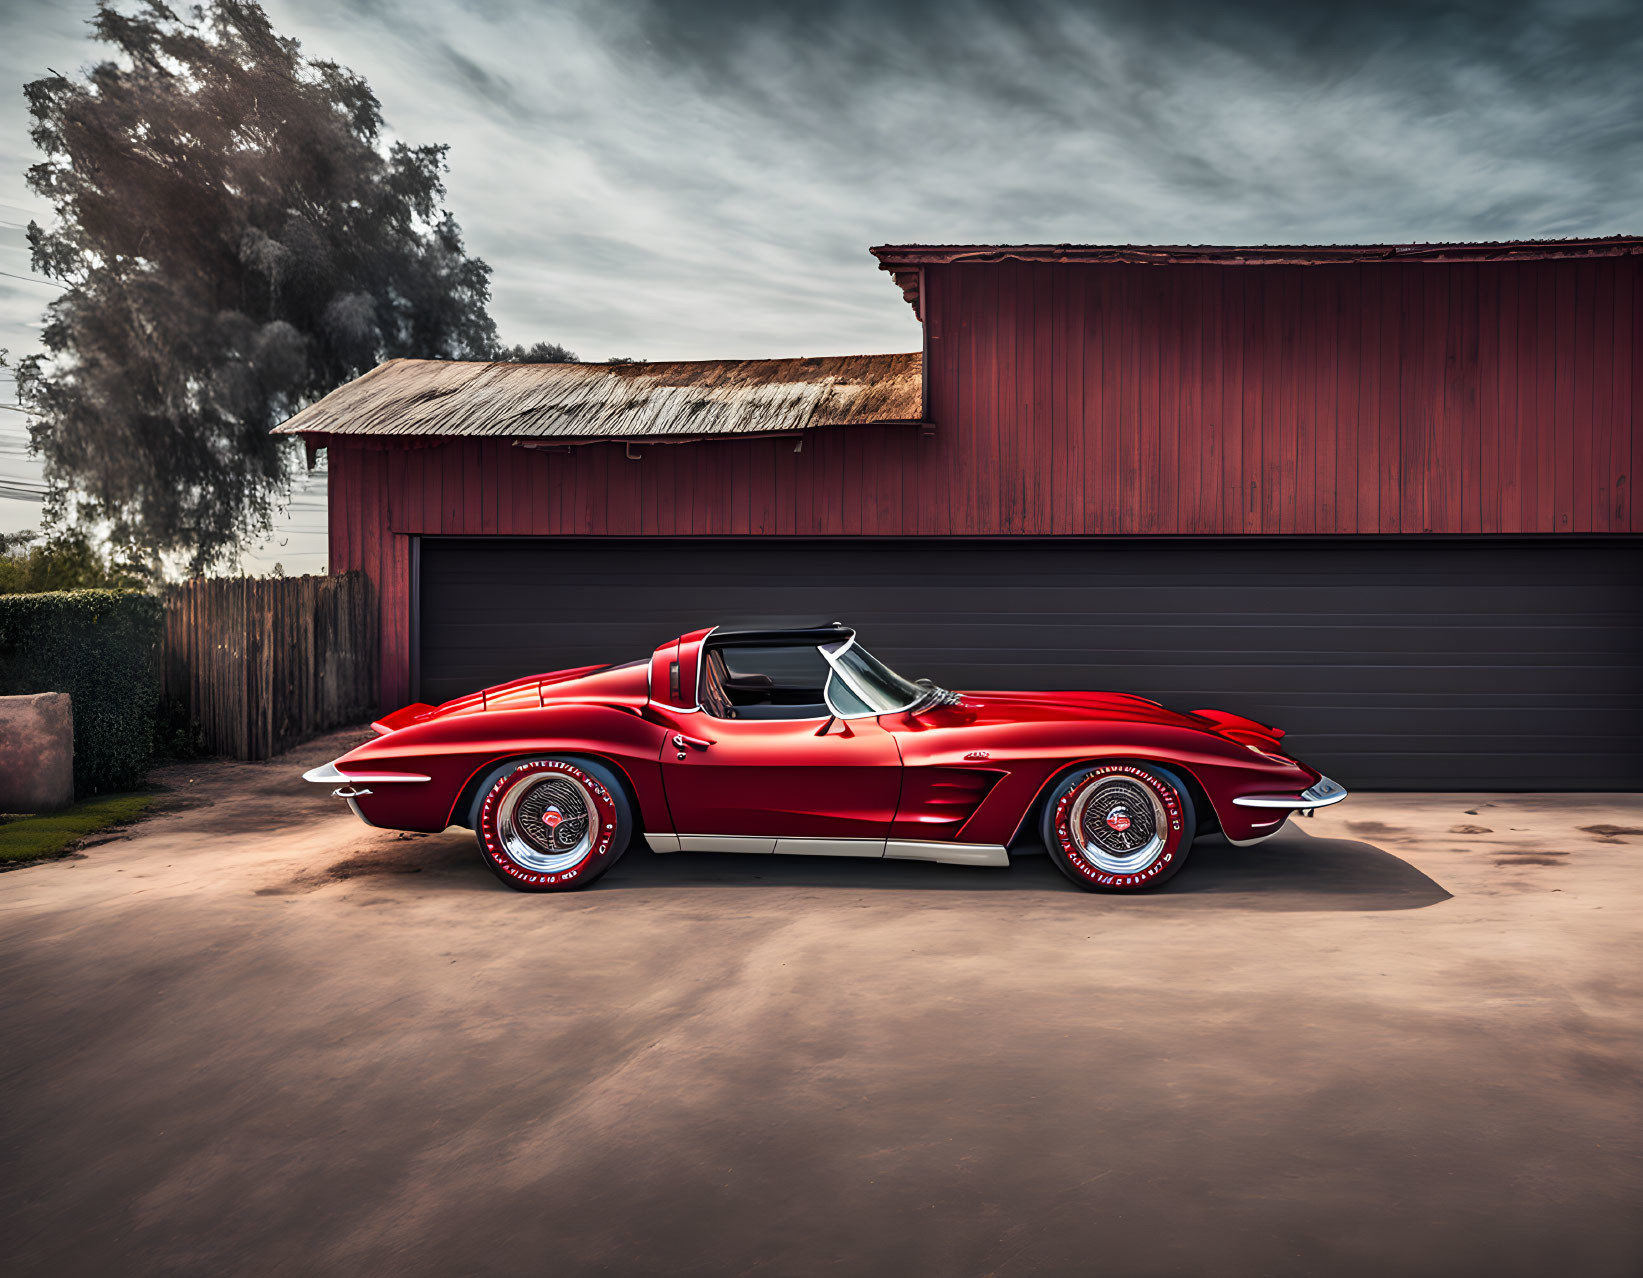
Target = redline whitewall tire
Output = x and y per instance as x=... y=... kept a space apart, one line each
x=551 y=824
x=1119 y=827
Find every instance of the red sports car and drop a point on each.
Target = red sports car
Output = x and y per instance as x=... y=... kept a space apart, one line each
x=802 y=742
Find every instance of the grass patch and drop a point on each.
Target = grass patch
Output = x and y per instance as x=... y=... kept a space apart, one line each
x=29 y=838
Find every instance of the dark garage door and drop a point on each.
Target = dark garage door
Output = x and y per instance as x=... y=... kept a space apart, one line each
x=1503 y=665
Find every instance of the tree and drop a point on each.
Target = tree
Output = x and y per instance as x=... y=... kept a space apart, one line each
x=238 y=239
x=541 y=353
x=67 y=561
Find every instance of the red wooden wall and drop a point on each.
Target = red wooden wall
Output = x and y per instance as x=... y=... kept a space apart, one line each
x=1477 y=397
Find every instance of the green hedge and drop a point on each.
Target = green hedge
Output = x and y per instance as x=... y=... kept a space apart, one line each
x=101 y=647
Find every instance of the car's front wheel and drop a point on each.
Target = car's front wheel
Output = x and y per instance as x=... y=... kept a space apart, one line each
x=1119 y=827
x=550 y=824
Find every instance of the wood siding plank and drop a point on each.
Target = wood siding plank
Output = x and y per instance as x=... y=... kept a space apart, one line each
x=1584 y=427
x=1621 y=466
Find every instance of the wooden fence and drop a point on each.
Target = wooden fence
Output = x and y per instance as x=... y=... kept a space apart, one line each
x=261 y=663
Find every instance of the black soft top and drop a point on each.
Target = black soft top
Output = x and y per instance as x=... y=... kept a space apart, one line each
x=832 y=632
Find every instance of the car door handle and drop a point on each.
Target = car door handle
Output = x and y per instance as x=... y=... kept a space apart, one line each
x=681 y=741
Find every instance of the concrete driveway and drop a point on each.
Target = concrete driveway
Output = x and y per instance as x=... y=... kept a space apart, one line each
x=258 y=1037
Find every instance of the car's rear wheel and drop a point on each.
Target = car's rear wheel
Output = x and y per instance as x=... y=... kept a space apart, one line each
x=551 y=824
x=1119 y=827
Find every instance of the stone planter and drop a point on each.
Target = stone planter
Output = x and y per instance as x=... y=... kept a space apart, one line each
x=36 y=752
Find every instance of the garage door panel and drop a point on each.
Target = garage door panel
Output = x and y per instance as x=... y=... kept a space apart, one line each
x=1416 y=770
x=1484 y=724
x=1390 y=663
x=1590 y=640
x=1295 y=636
x=1173 y=683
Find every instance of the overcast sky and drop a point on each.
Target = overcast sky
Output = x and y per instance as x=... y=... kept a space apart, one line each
x=668 y=179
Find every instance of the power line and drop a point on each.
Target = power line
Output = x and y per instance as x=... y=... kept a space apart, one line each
x=33 y=279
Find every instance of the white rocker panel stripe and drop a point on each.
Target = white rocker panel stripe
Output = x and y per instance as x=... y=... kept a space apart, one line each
x=830 y=847
x=901 y=849
x=948 y=853
x=726 y=843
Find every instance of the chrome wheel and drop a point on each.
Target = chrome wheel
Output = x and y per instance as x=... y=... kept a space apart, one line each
x=1119 y=826
x=548 y=823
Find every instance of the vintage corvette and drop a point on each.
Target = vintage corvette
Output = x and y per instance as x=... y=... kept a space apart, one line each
x=801 y=742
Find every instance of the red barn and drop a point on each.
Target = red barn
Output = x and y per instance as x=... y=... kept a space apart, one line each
x=1377 y=495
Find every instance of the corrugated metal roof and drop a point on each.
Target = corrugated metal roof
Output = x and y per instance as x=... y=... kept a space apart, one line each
x=679 y=400
x=904 y=260
x=894 y=256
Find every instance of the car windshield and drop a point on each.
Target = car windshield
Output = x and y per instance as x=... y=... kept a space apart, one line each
x=862 y=684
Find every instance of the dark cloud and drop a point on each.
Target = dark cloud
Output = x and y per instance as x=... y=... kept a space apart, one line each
x=474 y=79
x=1567 y=69
x=1249 y=121
x=1300 y=39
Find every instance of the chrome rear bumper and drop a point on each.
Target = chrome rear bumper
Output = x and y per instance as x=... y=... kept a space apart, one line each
x=1320 y=795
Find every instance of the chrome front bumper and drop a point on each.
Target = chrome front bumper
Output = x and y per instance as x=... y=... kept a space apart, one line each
x=351 y=787
x=328 y=774
x=1320 y=795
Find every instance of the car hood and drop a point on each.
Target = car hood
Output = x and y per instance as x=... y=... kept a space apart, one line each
x=1017 y=707
x=983 y=708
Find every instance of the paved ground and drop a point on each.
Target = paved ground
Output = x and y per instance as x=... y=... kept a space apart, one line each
x=257 y=1037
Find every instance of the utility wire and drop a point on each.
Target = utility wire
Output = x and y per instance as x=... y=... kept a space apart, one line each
x=33 y=279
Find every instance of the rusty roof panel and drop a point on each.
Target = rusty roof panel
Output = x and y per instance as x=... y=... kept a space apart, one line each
x=896 y=257
x=677 y=400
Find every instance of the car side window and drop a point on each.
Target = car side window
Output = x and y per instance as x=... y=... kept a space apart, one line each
x=769 y=681
x=794 y=667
